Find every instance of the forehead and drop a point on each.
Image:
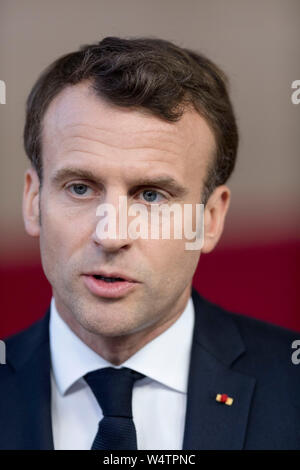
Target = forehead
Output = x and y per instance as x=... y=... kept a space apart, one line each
x=78 y=120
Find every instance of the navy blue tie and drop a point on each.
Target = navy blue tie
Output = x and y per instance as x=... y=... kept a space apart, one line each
x=113 y=391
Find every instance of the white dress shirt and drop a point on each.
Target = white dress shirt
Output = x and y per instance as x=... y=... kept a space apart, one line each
x=158 y=400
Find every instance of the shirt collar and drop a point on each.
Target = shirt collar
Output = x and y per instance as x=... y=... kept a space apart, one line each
x=165 y=359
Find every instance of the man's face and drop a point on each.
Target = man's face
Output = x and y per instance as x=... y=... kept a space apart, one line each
x=94 y=152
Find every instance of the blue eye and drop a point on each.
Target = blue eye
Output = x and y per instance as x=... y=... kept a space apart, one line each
x=79 y=189
x=150 y=195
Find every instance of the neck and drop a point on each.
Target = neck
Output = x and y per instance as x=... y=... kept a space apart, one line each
x=117 y=349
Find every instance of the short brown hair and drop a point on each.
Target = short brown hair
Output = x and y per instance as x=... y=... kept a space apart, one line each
x=148 y=73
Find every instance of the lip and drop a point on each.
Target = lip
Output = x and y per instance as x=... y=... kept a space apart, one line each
x=107 y=290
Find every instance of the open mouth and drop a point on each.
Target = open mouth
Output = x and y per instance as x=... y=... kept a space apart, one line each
x=108 y=279
x=109 y=286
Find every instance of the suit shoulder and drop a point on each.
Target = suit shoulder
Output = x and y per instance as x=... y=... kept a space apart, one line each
x=269 y=347
x=263 y=341
x=25 y=335
x=20 y=346
x=259 y=331
x=268 y=350
x=253 y=328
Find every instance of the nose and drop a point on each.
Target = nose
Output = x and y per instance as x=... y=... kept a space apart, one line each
x=111 y=232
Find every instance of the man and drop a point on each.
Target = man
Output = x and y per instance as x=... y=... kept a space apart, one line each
x=128 y=355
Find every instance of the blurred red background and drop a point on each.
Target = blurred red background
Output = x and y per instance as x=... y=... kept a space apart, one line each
x=260 y=280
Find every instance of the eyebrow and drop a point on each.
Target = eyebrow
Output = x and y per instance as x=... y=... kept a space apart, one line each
x=68 y=173
x=163 y=181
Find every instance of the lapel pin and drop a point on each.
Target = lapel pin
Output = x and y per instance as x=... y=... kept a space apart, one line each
x=223 y=398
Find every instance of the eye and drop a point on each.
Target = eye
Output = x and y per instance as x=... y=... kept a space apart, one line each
x=79 y=189
x=152 y=196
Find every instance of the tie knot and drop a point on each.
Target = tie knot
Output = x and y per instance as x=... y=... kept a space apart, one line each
x=113 y=389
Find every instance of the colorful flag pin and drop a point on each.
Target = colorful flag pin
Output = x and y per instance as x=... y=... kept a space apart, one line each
x=224 y=398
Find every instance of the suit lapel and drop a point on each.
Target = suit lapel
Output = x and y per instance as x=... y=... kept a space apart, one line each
x=216 y=345
x=26 y=413
x=28 y=389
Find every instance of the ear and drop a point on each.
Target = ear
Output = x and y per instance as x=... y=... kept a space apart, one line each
x=214 y=217
x=31 y=210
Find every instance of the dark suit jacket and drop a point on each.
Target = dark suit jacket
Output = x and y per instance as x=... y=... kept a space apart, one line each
x=246 y=359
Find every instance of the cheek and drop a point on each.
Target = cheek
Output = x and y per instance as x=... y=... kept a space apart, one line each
x=65 y=220
x=170 y=258
x=184 y=261
x=63 y=235
x=55 y=249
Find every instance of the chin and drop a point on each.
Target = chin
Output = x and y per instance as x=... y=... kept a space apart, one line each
x=103 y=325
